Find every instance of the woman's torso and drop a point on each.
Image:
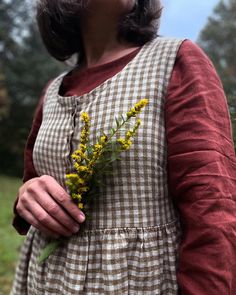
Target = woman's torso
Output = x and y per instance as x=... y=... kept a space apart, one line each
x=130 y=244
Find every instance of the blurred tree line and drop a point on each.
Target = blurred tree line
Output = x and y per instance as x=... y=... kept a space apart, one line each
x=218 y=40
x=25 y=68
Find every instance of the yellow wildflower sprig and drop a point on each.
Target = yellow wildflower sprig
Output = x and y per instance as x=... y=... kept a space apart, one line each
x=85 y=162
x=126 y=142
x=90 y=162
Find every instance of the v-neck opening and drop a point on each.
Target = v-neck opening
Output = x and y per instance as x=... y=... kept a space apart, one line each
x=103 y=85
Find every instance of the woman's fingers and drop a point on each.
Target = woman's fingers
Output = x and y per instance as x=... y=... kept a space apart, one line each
x=61 y=197
x=44 y=220
x=57 y=212
x=61 y=216
x=50 y=207
x=31 y=219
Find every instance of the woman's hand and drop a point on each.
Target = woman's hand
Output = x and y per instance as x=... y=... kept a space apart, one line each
x=47 y=206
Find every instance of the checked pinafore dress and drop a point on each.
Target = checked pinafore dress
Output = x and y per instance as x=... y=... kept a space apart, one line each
x=130 y=244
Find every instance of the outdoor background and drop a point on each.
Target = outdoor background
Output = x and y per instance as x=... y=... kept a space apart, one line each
x=25 y=68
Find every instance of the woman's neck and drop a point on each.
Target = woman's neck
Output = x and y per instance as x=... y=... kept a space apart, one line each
x=100 y=40
x=101 y=51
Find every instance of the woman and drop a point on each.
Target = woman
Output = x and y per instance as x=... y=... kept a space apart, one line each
x=165 y=222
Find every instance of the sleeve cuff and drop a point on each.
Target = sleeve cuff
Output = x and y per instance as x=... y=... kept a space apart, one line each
x=21 y=225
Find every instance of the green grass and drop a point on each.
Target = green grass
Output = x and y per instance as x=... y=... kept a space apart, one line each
x=10 y=241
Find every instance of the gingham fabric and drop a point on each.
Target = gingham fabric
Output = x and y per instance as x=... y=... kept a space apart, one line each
x=130 y=244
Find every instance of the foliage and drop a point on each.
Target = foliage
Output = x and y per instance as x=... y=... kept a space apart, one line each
x=26 y=68
x=10 y=241
x=218 y=39
x=4 y=98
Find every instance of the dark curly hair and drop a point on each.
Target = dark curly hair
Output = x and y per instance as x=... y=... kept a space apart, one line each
x=59 y=26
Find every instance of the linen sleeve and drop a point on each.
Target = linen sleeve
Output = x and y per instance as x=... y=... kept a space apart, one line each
x=19 y=223
x=202 y=175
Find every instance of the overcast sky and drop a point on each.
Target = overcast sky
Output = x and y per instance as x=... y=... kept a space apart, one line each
x=185 y=18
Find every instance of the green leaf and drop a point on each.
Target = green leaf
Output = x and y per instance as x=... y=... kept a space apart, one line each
x=117 y=122
x=48 y=250
x=114 y=157
x=123 y=119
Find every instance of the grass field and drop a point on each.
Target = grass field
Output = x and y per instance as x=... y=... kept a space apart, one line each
x=10 y=241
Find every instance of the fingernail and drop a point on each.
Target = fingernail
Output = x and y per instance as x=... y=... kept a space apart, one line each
x=82 y=217
x=76 y=229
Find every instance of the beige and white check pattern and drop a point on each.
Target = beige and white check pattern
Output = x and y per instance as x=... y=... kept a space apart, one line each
x=130 y=244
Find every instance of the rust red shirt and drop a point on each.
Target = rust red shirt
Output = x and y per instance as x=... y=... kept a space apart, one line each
x=201 y=166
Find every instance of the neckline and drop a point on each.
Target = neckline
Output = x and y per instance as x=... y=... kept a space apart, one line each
x=105 y=65
x=103 y=85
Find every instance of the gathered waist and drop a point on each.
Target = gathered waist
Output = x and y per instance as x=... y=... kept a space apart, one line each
x=169 y=226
